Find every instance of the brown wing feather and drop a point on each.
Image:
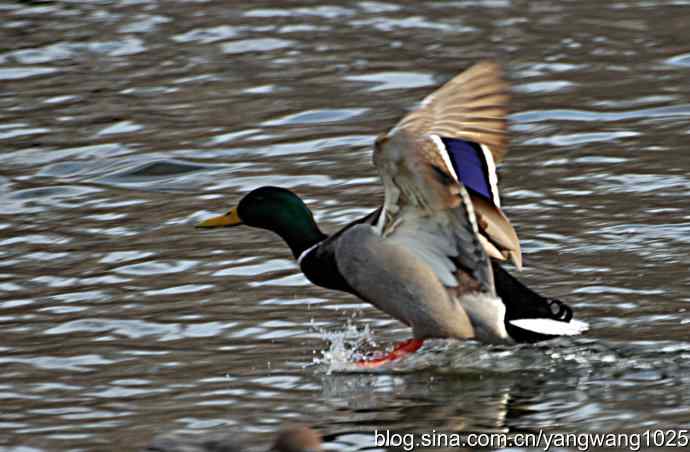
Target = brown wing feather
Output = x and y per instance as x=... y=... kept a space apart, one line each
x=501 y=239
x=472 y=106
x=422 y=195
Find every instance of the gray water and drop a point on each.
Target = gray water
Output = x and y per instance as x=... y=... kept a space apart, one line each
x=122 y=123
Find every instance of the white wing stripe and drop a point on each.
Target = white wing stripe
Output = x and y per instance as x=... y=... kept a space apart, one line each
x=493 y=179
x=441 y=148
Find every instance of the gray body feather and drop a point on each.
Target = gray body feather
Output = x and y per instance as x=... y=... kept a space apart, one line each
x=400 y=283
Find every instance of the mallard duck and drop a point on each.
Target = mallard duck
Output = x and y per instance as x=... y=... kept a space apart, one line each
x=431 y=255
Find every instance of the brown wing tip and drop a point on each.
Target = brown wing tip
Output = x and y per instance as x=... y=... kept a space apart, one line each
x=482 y=66
x=472 y=106
x=516 y=257
x=487 y=76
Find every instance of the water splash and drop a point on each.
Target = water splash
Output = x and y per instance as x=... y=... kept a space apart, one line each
x=466 y=357
x=345 y=347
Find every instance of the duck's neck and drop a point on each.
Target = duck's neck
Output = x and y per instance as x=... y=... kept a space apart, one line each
x=300 y=233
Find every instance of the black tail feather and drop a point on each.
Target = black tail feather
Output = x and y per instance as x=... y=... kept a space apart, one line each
x=523 y=303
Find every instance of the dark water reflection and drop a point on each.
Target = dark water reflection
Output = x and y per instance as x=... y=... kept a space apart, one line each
x=124 y=122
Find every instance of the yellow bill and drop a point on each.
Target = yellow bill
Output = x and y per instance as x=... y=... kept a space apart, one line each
x=231 y=218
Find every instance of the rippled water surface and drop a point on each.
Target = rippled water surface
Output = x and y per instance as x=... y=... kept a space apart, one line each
x=122 y=123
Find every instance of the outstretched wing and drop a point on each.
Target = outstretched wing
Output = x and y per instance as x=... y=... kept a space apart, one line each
x=472 y=106
x=427 y=211
x=466 y=122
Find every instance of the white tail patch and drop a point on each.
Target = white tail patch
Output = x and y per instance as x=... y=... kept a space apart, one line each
x=552 y=327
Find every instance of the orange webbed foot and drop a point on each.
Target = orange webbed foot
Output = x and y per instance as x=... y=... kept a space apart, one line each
x=401 y=349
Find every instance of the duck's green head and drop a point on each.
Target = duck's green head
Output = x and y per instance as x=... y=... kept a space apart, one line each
x=276 y=209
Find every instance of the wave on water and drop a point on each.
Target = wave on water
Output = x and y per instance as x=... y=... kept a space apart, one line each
x=348 y=345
